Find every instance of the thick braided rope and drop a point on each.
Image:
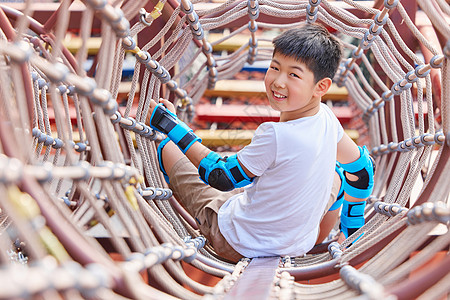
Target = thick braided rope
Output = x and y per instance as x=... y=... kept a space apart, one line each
x=408 y=167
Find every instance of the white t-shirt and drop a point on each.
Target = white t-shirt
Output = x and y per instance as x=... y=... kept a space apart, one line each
x=279 y=213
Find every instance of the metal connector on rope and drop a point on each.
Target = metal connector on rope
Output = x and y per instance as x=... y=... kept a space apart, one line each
x=56 y=277
x=188 y=8
x=311 y=10
x=21 y=52
x=193 y=245
x=420 y=71
x=425 y=139
x=446 y=49
x=137 y=261
x=363 y=283
x=131 y=124
x=335 y=250
x=389 y=209
x=194 y=24
x=156 y=69
x=13 y=169
x=370 y=35
x=129 y=44
x=57 y=143
x=147 y=18
x=151 y=193
x=253 y=14
x=429 y=212
x=113 y=15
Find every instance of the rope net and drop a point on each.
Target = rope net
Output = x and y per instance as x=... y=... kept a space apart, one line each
x=79 y=173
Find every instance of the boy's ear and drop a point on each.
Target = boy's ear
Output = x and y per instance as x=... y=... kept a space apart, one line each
x=322 y=87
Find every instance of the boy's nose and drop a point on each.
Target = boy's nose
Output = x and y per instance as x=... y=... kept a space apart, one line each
x=279 y=82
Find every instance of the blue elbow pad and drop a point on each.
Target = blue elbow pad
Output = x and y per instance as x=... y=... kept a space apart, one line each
x=352 y=217
x=165 y=121
x=224 y=174
x=363 y=168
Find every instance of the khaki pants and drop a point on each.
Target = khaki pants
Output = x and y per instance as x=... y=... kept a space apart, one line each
x=203 y=203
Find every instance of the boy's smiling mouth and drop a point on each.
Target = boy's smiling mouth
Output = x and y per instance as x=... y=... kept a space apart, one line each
x=278 y=96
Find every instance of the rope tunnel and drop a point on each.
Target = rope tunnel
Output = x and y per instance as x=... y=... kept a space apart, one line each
x=85 y=211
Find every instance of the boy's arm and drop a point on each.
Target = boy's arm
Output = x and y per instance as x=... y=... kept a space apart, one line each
x=358 y=169
x=222 y=173
x=198 y=152
x=347 y=150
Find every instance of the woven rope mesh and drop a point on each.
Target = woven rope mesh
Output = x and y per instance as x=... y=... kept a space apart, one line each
x=84 y=208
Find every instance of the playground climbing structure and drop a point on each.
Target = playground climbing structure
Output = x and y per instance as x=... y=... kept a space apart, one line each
x=85 y=212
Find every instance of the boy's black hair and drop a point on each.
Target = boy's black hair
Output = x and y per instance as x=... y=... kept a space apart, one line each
x=312 y=45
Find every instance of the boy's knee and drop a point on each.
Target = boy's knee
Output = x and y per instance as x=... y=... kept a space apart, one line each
x=224 y=250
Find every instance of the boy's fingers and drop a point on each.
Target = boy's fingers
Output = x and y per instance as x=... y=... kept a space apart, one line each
x=152 y=103
x=341 y=238
x=152 y=106
x=165 y=101
x=169 y=105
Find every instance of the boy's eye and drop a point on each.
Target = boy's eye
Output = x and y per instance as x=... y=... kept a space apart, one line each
x=295 y=75
x=274 y=68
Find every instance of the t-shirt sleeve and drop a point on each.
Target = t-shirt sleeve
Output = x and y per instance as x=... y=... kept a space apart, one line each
x=340 y=131
x=261 y=152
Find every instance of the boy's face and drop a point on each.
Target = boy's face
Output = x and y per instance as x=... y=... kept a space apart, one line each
x=290 y=88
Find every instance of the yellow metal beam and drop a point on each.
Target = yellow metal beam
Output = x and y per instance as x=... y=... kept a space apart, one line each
x=233 y=43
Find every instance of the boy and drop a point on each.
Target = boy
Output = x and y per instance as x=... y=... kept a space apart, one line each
x=288 y=168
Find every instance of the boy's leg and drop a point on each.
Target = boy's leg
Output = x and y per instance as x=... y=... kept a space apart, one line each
x=170 y=155
x=330 y=218
x=200 y=200
x=185 y=184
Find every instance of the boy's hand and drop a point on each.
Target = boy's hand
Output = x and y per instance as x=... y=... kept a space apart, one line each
x=169 y=106
x=341 y=237
x=162 y=117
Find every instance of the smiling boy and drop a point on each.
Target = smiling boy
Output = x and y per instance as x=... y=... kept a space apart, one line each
x=288 y=168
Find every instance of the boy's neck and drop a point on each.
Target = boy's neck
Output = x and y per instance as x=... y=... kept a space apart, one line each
x=308 y=111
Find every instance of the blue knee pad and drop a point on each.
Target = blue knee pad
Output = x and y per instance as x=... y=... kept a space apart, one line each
x=161 y=167
x=352 y=217
x=340 y=195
